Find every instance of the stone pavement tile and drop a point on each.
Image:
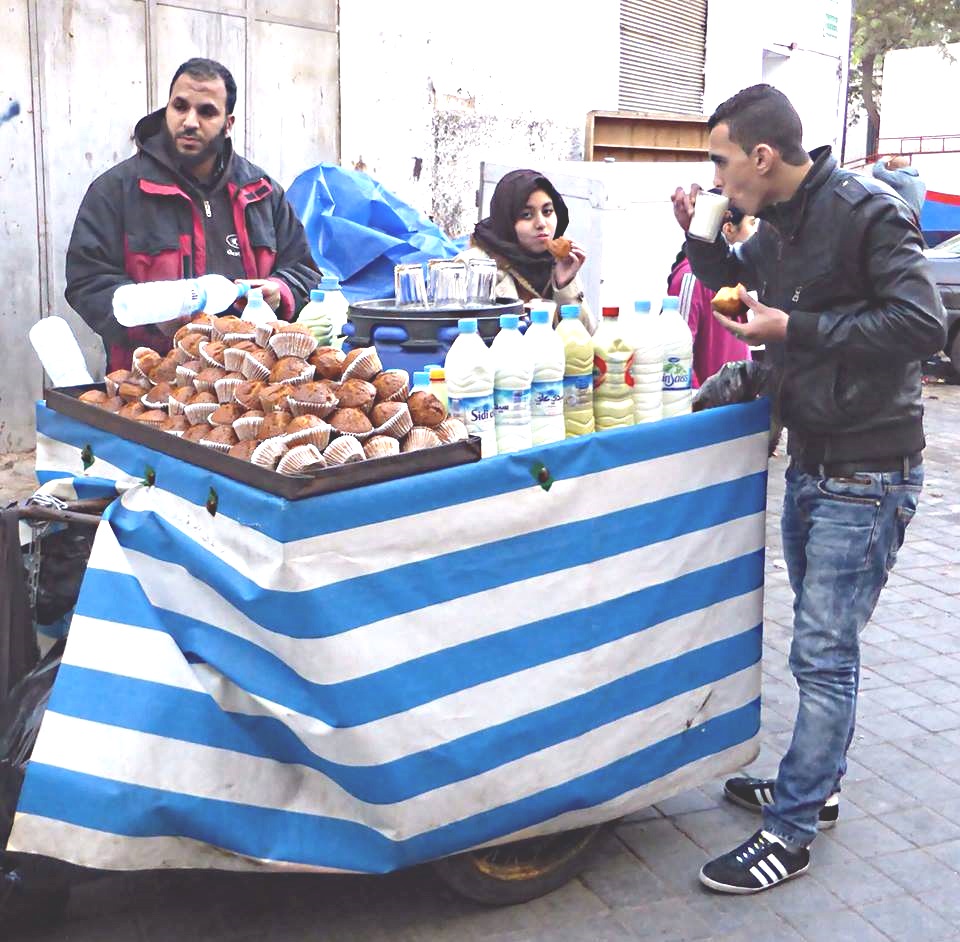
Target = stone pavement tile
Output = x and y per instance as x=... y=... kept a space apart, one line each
x=888 y=760
x=943 y=642
x=697 y=799
x=868 y=837
x=940 y=690
x=921 y=826
x=945 y=603
x=875 y=796
x=665 y=921
x=796 y=899
x=917 y=871
x=826 y=850
x=674 y=861
x=854 y=883
x=918 y=629
x=620 y=880
x=907 y=919
x=720 y=829
x=943 y=665
x=774 y=929
x=889 y=727
x=933 y=788
x=726 y=913
x=935 y=749
x=894 y=697
x=904 y=672
x=594 y=929
x=838 y=927
x=937 y=718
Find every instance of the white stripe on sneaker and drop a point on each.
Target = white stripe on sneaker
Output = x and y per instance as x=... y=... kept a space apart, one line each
x=761 y=878
x=776 y=862
x=768 y=870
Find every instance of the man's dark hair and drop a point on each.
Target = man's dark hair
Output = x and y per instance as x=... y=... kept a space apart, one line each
x=208 y=69
x=761 y=114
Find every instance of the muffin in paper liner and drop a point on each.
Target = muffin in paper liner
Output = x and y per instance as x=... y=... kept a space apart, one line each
x=312 y=399
x=258 y=365
x=343 y=450
x=293 y=343
x=274 y=397
x=301 y=458
x=248 y=425
x=381 y=446
x=328 y=362
x=164 y=372
x=220 y=438
x=190 y=344
x=234 y=356
x=211 y=352
x=451 y=430
x=356 y=393
x=158 y=397
x=177 y=355
x=204 y=380
x=243 y=450
x=195 y=432
x=202 y=324
x=238 y=336
x=226 y=386
x=426 y=408
x=226 y=324
x=198 y=413
x=392 y=386
x=268 y=453
x=225 y=414
x=152 y=417
x=362 y=363
x=420 y=438
x=352 y=422
x=113 y=381
x=178 y=398
x=274 y=424
x=391 y=418
x=175 y=424
x=264 y=332
x=308 y=430
x=248 y=393
x=144 y=360
x=187 y=372
x=292 y=370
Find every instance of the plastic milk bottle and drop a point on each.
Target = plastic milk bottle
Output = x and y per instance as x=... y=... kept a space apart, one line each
x=546 y=394
x=468 y=369
x=612 y=379
x=677 y=360
x=316 y=316
x=335 y=304
x=647 y=370
x=577 y=372
x=512 y=378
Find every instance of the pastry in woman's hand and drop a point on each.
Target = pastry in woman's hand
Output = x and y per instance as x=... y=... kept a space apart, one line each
x=559 y=248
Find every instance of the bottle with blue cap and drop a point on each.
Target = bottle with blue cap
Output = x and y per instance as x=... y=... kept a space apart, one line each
x=577 y=372
x=336 y=306
x=647 y=365
x=512 y=379
x=156 y=302
x=315 y=315
x=677 y=360
x=546 y=390
x=468 y=370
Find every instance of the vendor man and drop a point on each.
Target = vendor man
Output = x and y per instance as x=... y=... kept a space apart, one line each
x=184 y=205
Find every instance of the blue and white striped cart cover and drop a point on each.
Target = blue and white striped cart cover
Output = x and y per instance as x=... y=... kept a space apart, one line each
x=366 y=680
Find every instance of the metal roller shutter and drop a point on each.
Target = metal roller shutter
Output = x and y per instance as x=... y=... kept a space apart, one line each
x=662 y=46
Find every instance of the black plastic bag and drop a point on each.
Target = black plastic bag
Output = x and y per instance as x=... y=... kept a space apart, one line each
x=63 y=562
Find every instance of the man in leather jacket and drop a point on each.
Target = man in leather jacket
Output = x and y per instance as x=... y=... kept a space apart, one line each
x=847 y=310
x=184 y=205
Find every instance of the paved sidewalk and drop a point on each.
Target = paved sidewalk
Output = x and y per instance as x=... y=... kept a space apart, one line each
x=888 y=871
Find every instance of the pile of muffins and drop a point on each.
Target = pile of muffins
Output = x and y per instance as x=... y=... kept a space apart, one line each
x=268 y=394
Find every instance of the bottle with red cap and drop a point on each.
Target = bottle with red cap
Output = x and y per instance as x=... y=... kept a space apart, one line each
x=613 y=349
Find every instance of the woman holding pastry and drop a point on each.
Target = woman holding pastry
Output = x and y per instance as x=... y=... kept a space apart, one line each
x=524 y=235
x=712 y=344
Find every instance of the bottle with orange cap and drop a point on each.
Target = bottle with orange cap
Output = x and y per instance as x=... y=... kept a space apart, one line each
x=613 y=349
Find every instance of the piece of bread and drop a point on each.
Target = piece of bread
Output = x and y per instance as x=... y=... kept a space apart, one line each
x=559 y=247
x=727 y=302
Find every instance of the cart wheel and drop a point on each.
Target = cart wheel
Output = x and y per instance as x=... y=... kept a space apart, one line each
x=521 y=871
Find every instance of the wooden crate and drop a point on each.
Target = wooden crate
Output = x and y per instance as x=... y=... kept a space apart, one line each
x=645 y=136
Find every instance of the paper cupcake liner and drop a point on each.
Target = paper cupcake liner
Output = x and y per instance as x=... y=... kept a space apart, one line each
x=174 y=406
x=365 y=366
x=233 y=359
x=300 y=459
x=225 y=386
x=135 y=365
x=268 y=453
x=198 y=412
x=451 y=430
x=381 y=446
x=401 y=394
x=173 y=431
x=318 y=436
x=344 y=450
x=153 y=403
x=185 y=375
x=359 y=436
x=202 y=325
x=238 y=336
x=110 y=386
x=209 y=355
x=264 y=332
x=299 y=407
x=292 y=343
x=222 y=447
x=247 y=426
x=190 y=345
x=397 y=426
x=420 y=438
x=178 y=356
x=254 y=369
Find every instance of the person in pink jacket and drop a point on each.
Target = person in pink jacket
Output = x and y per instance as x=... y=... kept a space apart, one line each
x=712 y=345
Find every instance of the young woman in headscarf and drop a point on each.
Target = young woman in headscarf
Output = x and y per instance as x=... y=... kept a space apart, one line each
x=526 y=212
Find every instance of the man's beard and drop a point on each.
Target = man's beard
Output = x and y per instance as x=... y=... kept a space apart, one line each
x=213 y=148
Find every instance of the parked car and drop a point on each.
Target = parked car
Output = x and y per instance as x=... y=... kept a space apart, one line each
x=945 y=263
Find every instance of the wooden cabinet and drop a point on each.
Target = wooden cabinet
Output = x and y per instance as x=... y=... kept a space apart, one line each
x=645 y=136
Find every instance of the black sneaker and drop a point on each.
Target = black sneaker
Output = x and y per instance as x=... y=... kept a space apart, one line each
x=759 y=863
x=754 y=793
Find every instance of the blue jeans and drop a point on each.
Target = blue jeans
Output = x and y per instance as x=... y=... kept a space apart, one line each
x=840 y=540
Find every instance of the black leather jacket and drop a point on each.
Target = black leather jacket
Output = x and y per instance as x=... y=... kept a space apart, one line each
x=844 y=259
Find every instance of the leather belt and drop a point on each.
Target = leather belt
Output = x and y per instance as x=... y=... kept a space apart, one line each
x=848 y=469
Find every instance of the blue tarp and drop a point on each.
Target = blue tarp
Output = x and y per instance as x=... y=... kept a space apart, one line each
x=358 y=230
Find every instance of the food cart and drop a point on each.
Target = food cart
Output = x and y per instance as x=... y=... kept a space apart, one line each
x=389 y=671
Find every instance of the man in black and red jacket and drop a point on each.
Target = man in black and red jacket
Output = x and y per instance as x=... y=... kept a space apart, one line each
x=184 y=205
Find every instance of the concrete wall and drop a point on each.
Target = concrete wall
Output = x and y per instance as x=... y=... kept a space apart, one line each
x=427 y=93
